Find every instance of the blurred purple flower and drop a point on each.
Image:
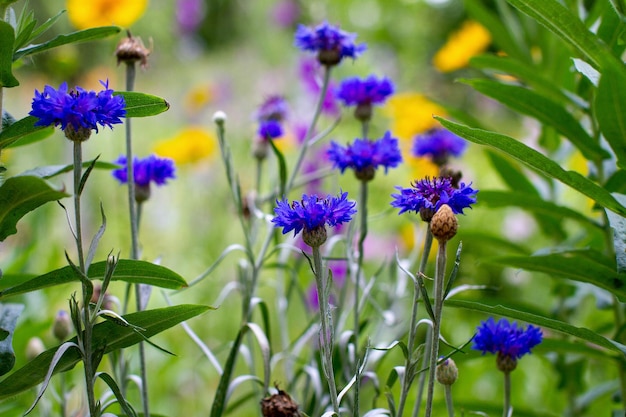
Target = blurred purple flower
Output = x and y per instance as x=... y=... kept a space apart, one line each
x=371 y=90
x=146 y=170
x=309 y=71
x=285 y=13
x=77 y=108
x=331 y=43
x=506 y=339
x=431 y=193
x=273 y=108
x=439 y=144
x=365 y=154
x=189 y=15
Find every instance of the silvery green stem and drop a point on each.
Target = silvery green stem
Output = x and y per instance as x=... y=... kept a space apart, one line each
x=438 y=304
x=449 y=403
x=406 y=382
x=321 y=282
x=507 y=394
x=310 y=129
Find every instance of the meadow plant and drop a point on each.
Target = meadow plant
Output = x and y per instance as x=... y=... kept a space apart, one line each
x=364 y=342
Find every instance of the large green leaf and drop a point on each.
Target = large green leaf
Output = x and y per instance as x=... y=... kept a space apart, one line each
x=20 y=195
x=536 y=160
x=127 y=270
x=74 y=37
x=24 y=130
x=610 y=108
x=142 y=105
x=107 y=337
x=545 y=110
x=7 y=38
x=583 y=265
x=552 y=324
x=8 y=319
x=534 y=204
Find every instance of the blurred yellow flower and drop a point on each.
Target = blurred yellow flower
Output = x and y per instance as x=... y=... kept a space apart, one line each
x=93 y=13
x=188 y=146
x=199 y=96
x=470 y=40
x=411 y=113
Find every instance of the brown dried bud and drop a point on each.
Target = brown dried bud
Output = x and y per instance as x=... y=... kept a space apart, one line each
x=279 y=405
x=131 y=49
x=506 y=363
x=444 y=224
x=447 y=372
x=315 y=237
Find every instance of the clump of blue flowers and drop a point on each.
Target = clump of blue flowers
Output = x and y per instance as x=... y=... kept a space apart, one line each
x=365 y=156
x=329 y=42
x=312 y=214
x=78 y=111
x=426 y=196
x=363 y=93
x=151 y=169
x=439 y=144
x=508 y=340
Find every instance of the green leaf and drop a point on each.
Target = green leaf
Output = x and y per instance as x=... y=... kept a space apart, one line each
x=610 y=107
x=8 y=319
x=43 y=28
x=20 y=195
x=107 y=337
x=127 y=270
x=545 y=110
x=282 y=167
x=142 y=105
x=566 y=25
x=512 y=174
x=50 y=171
x=74 y=37
x=7 y=38
x=552 y=324
x=537 y=161
x=25 y=131
x=583 y=265
x=534 y=204
x=618 y=224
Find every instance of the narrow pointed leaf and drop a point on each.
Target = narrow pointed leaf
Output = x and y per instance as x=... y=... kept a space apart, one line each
x=578 y=265
x=142 y=105
x=7 y=39
x=51 y=171
x=543 y=109
x=545 y=322
x=107 y=337
x=132 y=271
x=19 y=196
x=618 y=224
x=9 y=313
x=23 y=132
x=74 y=37
x=610 y=109
x=536 y=160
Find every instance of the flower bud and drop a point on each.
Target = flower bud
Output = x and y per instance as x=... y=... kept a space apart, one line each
x=366 y=174
x=506 y=363
x=444 y=224
x=62 y=326
x=314 y=237
x=80 y=135
x=131 y=49
x=447 y=372
x=363 y=112
x=34 y=347
x=219 y=117
x=279 y=405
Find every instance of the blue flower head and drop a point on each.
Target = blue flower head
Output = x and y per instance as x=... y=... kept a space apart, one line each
x=78 y=112
x=507 y=340
x=331 y=43
x=439 y=144
x=429 y=194
x=312 y=214
x=364 y=156
x=371 y=90
x=270 y=129
x=273 y=108
x=151 y=169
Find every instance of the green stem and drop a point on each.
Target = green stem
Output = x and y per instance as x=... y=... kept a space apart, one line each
x=326 y=320
x=449 y=403
x=438 y=304
x=507 y=394
x=406 y=382
x=310 y=129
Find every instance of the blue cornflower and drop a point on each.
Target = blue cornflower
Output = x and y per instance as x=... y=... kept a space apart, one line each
x=273 y=108
x=364 y=156
x=507 y=340
x=427 y=195
x=331 y=43
x=371 y=90
x=270 y=129
x=151 y=169
x=439 y=144
x=312 y=214
x=77 y=111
